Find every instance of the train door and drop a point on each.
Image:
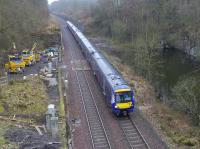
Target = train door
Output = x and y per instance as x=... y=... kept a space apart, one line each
x=90 y=58
x=93 y=66
x=104 y=86
x=108 y=95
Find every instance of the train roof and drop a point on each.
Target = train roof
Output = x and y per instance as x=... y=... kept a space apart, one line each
x=112 y=75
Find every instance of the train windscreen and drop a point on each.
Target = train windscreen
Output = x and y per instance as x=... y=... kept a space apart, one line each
x=26 y=52
x=15 y=59
x=123 y=97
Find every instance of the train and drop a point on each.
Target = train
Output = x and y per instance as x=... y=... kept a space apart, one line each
x=119 y=95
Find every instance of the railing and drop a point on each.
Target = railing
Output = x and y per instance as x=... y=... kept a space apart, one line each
x=3 y=81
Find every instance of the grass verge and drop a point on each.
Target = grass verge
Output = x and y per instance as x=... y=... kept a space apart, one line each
x=63 y=119
x=173 y=126
x=62 y=127
x=61 y=101
x=26 y=98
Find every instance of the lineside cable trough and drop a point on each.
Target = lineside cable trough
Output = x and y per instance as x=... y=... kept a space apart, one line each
x=52 y=121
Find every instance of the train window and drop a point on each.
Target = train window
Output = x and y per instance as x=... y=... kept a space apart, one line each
x=15 y=59
x=26 y=52
x=123 y=97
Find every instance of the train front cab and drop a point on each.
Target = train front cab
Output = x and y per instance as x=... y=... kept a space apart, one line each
x=123 y=102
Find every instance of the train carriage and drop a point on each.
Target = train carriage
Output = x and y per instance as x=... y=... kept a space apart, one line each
x=118 y=93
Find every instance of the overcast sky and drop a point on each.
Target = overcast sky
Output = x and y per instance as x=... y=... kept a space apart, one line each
x=51 y=1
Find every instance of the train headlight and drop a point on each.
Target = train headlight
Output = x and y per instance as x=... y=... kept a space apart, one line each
x=116 y=106
x=132 y=105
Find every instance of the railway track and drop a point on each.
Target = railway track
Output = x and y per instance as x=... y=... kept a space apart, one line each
x=97 y=130
x=130 y=131
x=132 y=134
x=99 y=137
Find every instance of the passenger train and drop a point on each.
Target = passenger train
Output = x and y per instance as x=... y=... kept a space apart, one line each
x=119 y=94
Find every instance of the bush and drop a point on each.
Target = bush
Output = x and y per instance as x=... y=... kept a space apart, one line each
x=187 y=92
x=183 y=140
x=119 y=30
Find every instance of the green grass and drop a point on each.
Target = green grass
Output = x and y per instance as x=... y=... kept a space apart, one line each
x=175 y=126
x=24 y=98
x=1 y=108
x=62 y=126
x=62 y=134
x=61 y=101
x=184 y=140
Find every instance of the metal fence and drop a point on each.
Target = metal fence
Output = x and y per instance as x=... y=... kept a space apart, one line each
x=3 y=81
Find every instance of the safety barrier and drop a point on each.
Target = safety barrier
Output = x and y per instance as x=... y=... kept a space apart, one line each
x=3 y=81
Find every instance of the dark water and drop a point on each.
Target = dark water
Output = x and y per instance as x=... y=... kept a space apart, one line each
x=175 y=65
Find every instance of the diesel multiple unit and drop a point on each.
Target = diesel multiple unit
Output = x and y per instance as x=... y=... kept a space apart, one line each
x=119 y=94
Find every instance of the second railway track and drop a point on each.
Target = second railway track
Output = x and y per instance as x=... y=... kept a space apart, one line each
x=97 y=131
x=98 y=134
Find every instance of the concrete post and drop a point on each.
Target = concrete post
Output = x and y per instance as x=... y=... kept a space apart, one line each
x=54 y=127
x=48 y=122
x=50 y=67
x=52 y=121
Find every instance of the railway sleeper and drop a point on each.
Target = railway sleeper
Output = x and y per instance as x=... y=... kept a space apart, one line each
x=98 y=135
x=97 y=129
x=134 y=137
x=132 y=134
x=100 y=142
x=102 y=147
x=128 y=127
x=136 y=141
x=98 y=132
x=138 y=146
x=94 y=122
x=91 y=112
x=100 y=139
x=96 y=126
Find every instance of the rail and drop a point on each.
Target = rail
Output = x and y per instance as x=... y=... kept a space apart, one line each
x=95 y=124
x=132 y=134
x=97 y=131
x=96 y=127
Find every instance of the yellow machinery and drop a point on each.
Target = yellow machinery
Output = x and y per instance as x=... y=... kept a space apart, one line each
x=15 y=64
x=37 y=57
x=37 y=54
x=28 y=57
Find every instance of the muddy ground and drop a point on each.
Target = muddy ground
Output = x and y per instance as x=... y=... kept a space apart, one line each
x=26 y=136
x=29 y=138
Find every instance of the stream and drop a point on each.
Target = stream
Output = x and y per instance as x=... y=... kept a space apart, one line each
x=176 y=64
